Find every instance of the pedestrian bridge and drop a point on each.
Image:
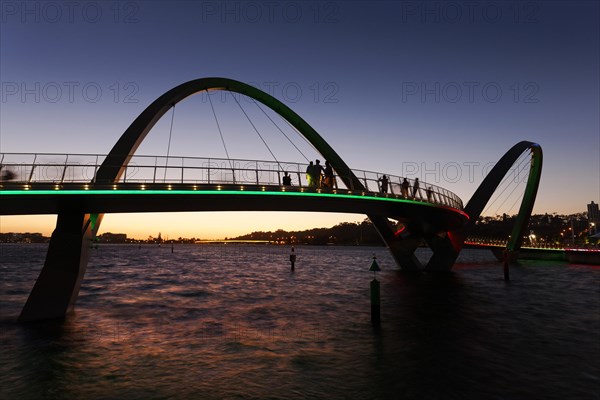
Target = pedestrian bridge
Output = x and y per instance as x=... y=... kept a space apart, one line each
x=81 y=188
x=49 y=183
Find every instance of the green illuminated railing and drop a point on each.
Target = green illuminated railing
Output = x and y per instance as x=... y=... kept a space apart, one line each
x=26 y=168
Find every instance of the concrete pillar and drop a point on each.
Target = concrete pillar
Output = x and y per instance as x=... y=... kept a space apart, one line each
x=57 y=287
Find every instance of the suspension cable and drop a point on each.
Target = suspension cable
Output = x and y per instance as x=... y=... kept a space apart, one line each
x=280 y=130
x=169 y=144
x=219 y=128
x=301 y=135
x=517 y=165
x=513 y=190
x=257 y=132
x=522 y=159
x=508 y=185
x=518 y=197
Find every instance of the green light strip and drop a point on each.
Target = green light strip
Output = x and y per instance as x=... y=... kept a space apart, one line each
x=214 y=192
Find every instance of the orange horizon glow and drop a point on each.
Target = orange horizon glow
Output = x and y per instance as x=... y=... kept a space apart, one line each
x=201 y=225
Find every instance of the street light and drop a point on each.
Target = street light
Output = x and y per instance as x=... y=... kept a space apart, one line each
x=531 y=239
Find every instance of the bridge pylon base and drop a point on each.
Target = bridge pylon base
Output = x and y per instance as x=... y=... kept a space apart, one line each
x=403 y=250
x=445 y=252
x=56 y=289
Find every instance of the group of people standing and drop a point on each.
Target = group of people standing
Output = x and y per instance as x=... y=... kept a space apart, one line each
x=405 y=188
x=320 y=177
x=323 y=177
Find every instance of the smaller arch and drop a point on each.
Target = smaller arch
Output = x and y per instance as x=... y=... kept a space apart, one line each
x=491 y=182
x=446 y=249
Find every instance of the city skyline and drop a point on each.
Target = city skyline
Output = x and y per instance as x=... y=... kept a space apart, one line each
x=394 y=88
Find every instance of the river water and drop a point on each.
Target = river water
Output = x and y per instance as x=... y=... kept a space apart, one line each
x=233 y=322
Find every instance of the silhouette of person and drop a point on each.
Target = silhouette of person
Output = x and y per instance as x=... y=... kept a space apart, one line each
x=405 y=188
x=318 y=173
x=310 y=174
x=329 y=179
x=429 y=194
x=287 y=180
x=7 y=175
x=416 y=189
x=384 y=184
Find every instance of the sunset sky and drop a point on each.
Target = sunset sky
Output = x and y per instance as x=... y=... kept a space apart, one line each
x=397 y=87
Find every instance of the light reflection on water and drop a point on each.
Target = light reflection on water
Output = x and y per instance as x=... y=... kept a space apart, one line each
x=218 y=321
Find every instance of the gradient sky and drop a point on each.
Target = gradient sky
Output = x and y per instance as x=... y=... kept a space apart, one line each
x=390 y=85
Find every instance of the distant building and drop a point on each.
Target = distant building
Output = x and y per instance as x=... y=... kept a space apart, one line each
x=112 y=238
x=593 y=213
x=26 y=237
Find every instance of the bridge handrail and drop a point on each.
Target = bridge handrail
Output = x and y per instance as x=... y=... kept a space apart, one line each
x=74 y=168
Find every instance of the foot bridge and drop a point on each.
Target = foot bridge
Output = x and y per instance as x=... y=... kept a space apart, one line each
x=80 y=188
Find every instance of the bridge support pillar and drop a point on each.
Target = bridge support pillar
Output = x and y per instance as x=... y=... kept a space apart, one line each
x=403 y=250
x=445 y=251
x=57 y=287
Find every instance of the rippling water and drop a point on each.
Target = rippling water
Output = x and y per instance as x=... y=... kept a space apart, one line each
x=232 y=322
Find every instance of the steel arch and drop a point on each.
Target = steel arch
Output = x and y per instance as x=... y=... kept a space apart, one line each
x=114 y=164
x=491 y=182
x=446 y=249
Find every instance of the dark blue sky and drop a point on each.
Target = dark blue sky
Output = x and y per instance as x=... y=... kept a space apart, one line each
x=390 y=85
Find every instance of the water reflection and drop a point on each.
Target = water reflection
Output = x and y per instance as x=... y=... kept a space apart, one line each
x=220 y=322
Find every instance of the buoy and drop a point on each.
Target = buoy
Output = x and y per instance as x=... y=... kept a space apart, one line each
x=375 y=293
x=292 y=259
x=506 y=266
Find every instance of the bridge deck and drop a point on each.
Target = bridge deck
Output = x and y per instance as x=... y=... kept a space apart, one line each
x=54 y=183
x=47 y=198
x=59 y=169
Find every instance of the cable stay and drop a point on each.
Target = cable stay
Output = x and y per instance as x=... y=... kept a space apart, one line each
x=221 y=133
x=522 y=183
x=520 y=169
x=506 y=181
x=509 y=195
x=518 y=197
x=280 y=130
x=301 y=135
x=258 y=133
x=169 y=144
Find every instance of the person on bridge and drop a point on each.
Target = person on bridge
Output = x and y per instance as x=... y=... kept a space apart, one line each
x=384 y=184
x=329 y=178
x=310 y=174
x=430 y=194
x=319 y=173
x=405 y=188
x=416 y=189
x=287 y=180
x=7 y=175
